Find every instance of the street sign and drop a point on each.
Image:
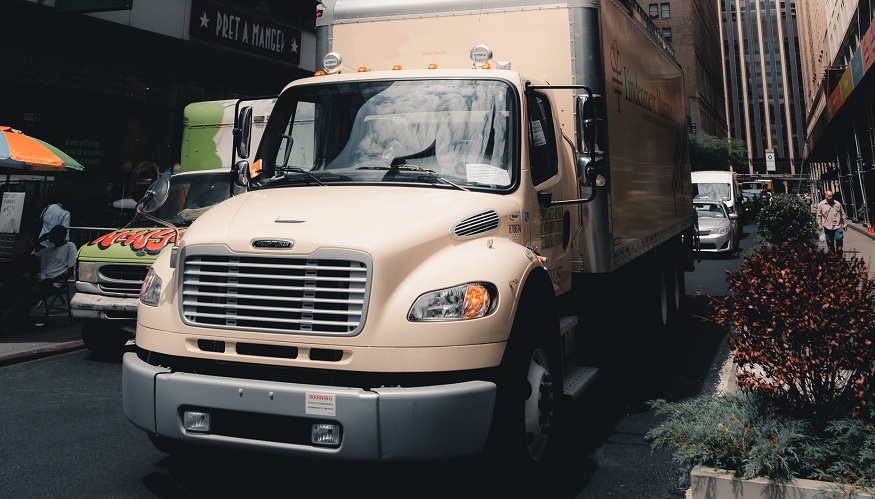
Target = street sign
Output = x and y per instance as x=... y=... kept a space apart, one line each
x=770 y=160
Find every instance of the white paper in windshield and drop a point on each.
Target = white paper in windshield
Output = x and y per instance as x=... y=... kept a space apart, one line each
x=486 y=174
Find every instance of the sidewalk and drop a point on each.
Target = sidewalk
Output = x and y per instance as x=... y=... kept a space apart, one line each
x=57 y=336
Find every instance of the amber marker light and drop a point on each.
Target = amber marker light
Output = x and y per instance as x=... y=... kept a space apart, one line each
x=363 y=69
x=476 y=301
x=432 y=66
x=397 y=67
x=319 y=73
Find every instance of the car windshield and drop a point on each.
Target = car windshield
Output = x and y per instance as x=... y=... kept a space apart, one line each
x=710 y=210
x=189 y=197
x=718 y=191
x=456 y=134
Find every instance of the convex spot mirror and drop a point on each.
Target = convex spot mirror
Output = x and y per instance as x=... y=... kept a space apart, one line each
x=155 y=196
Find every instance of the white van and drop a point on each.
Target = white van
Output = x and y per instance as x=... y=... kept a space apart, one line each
x=720 y=185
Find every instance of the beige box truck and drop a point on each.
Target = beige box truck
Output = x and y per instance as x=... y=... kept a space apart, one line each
x=421 y=257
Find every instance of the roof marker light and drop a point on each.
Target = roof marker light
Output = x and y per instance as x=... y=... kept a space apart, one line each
x=363 y=69
x=432 y=66
x=397 y=67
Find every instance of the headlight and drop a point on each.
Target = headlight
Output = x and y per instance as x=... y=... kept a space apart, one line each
x=467 y=301
x=150 y=293
x=86 y=271
x=721 y=230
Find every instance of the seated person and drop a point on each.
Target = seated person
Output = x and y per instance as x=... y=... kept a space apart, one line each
x=56 y=264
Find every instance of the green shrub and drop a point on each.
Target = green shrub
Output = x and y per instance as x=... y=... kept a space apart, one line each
x=787 y=218
x=746 y=434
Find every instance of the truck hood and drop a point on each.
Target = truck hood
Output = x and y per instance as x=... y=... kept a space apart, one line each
x=374 y=219
x=129 y=245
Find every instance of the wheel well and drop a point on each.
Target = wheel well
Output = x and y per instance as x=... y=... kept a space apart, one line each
x=538 y=300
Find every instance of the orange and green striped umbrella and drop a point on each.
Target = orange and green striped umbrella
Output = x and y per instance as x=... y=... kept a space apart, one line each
x=23 y=152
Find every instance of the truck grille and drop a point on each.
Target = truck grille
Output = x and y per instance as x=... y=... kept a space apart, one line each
x=121 y=279
x=322 y=294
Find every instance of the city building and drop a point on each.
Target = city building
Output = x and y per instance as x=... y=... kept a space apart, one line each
x=763 y=81
x=840 y=40
x=692 y=28
x=107 y=80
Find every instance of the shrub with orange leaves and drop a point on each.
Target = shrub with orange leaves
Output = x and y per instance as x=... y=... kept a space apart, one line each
x=802 y=325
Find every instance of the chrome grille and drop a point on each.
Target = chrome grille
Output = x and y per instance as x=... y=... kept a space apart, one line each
x=477 y=224
x=323 y=294
x=121 y=279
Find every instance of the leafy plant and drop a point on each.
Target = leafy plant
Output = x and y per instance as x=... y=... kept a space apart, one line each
x=801 y=329
x=787 y=218
x=708 y=152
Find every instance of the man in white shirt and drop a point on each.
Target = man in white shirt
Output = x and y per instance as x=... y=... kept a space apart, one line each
x=54 y=214
x=56 y=266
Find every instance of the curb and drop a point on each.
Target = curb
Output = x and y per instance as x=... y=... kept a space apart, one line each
x=862 y=230
x=38 y=353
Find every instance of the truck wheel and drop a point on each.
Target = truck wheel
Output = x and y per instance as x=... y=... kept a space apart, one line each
x=664 y=292
x=674 y=276
x=529 y=399
x=104 y=338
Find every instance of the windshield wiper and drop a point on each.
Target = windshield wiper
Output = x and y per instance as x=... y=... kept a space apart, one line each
x=412 y=168
x=295 y=169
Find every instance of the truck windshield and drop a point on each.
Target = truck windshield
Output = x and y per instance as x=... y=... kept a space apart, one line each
x=440 y=133
x=189 y=197
x=716 y=191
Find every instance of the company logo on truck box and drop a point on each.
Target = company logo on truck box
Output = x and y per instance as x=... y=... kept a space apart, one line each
x=625 y=79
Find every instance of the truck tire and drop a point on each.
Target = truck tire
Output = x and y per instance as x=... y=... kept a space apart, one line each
x=529 y=399
x=104 y=338
x=676 y=289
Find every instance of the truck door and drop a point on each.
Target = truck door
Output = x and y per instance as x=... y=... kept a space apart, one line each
x=551 y=227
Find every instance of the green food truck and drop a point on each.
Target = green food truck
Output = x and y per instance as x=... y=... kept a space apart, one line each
x=110 y=269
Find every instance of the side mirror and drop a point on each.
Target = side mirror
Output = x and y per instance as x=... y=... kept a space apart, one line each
x=154 y=197
x=243 y=132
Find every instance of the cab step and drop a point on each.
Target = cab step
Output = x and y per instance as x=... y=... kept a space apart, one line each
x=577 y=379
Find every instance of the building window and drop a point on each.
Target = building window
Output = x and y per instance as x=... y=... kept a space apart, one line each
x=665 y=10
x=666 y=34
x=654 y=10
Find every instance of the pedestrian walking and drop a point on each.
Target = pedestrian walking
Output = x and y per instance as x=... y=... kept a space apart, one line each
x=832 y=220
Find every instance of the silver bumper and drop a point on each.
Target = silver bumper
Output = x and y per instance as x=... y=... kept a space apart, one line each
x=382 y=424
x=94 y=306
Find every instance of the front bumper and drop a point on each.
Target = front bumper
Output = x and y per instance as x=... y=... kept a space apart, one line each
x=87 y=306
x=380 y=424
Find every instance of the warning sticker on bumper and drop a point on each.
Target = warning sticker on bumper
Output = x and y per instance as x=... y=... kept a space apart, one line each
x=320 y=404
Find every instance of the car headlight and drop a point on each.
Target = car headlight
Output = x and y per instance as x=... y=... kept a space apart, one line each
x=86 y=271
x=466 y=301
x=721 y=230
x=150 y=292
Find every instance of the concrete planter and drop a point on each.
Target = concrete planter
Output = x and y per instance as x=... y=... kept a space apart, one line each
x=710 y=483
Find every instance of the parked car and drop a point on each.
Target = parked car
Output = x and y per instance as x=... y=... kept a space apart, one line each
x=718 y=229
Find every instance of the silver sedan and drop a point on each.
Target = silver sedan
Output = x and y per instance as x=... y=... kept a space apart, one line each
x=718 y=229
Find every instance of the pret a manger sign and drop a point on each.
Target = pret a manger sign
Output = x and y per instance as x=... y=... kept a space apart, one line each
x=221 y=25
